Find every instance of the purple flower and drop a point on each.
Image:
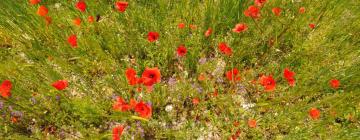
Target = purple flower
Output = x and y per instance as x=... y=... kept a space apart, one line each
x=172 y=81
x=33 y=100
x=17 y=114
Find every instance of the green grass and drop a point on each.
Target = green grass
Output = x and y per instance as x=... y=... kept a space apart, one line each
x=34 y=55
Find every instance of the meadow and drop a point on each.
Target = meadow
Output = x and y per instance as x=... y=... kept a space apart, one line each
x=180 y=69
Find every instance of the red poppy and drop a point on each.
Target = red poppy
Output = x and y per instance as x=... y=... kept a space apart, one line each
x=192 y=27
x=153 y=36
x=60 y=84
x=260 y=2
x=289 y=76
x=302 y=10
x=223 y=47
x=276 y=11
x=5 y=89
x=314 y=113
x=48 y=20
x=240 y=28
x=144 y=110
x=121 y=6
x=334 y=83
x=121 y=105
x=81 y=5
x=117 y=132
x=195 y=101
x=181 y=25
x=232 y=75
x=208 y=32
x=77 y=21
x=72 y=40
x=131 y=76
x=252 y=123
x=268 y=82
x=91 y=19
x=151 y=76
x=312 y=25
x=42 y=11
x=33 y=2
x=181 y=50
x=236 y=135
x=132 y=103
x=252 y=11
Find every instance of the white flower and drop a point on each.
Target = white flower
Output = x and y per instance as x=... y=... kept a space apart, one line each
x=168 y=108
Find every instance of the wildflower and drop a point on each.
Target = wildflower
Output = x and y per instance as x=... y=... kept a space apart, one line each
x=181 y=25
x=131 y=76
x=334 y=83
x=72 y=40
x=143 y=110
x=151 y=76
x=5 y=89
x=168 y=108
x=42 y=11
x=121 y=105
x=81 y=5
x=132 y=103
x=181 y=50
x=117 y=132
x=252 y=123
x=312 y=25
x=253 y=12
x=232 y=75
x=48 y=20
x=77 y=21
x=192 y=27
x=196 y=101
x=202 y=77
x=302 y=10
x=121 y=6
x=260 y=2
x=289 y=76
x=240 y=28
x=153 y=36
x=91 y=19
x=276 y=11
x=60 y=84
x=223 y=47
x=33 y=2
x=314 y=113
x=268 y=82
x=208 y=32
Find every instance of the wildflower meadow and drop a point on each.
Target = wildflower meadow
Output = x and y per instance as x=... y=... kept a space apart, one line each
x=179 y=69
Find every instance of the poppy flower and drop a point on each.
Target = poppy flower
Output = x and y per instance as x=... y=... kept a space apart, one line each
x=151 y=76
x=312 y=25
x=195 y=101
x=181 y=51
x=48 y=20
x=208 y=32
x=131 y=76
x=252 y=123
x=153 y=36
x=260 y=2
x=314 y=113
x=42 y=11
x=5 y=89
x=202 y=77
x=181 y=25
x=117 y=132
x=81 y=5
x=334 y=83
x=302 y=10
x=132 y=103
x=33 y=2
x=232 y=75
x=223 y=47
x=192 y=27
x=60 y=84
x=289 y=76
x=144 y=110
x=72 y=40
x=121 y=105
x=252 y=11
x=121 y=6
x=276 y=11
x=77 y=21
x=240 y=28
x=91 y=19
x=268 y=82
